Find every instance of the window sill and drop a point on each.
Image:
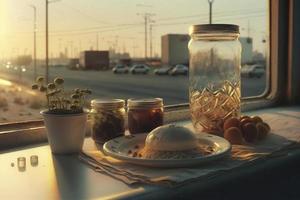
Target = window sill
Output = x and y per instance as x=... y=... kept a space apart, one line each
x=13 y=135
x=67 y=178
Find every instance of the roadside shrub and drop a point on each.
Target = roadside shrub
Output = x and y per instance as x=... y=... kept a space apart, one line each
x=36 y=103
x=3 y=102
x=19 y=101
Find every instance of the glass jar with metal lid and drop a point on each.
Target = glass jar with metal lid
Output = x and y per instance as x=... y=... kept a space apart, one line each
x=214 y=75
x=144 y=114
x=108 y=119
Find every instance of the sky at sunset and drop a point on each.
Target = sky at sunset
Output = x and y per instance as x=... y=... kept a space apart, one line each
x=76 y=24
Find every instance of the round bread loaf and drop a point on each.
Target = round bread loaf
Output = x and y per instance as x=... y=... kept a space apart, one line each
x=171 y=138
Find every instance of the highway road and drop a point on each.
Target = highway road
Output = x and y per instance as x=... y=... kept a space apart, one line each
x=106 y=84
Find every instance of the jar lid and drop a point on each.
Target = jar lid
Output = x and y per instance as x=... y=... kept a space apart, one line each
x=107 y=103
x=214 y=28
x=145 y=103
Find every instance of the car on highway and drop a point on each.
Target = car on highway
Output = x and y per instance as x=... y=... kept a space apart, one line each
x=179 y=70
x=139 y=69
x=120 y=69
x=163 y=70
x=253 y=71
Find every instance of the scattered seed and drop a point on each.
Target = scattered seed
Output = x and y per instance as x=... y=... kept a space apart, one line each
x=134 y=154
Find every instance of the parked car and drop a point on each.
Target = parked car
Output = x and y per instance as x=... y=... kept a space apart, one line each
x=120 y=69
x=163 y=71
x=253 y=71
x=179 y=70
x=139 y=69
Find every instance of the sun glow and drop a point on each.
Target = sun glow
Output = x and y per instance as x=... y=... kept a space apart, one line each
x=4 y=82
x=3 y=19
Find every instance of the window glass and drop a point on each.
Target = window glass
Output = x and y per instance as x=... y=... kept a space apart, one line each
x=89 y=38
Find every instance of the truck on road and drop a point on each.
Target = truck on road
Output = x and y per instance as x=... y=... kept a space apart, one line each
x=94 y=60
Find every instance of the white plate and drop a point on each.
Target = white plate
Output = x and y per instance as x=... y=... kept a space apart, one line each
x=118 y=148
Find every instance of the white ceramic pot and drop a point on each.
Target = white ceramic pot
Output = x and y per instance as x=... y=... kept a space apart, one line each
x=65 y=132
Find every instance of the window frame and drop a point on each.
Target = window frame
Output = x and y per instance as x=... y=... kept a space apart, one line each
x=32 y=132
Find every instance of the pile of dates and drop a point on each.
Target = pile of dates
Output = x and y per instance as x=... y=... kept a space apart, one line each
x=245 y=129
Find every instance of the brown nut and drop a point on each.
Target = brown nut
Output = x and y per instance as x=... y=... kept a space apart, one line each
x=244 y=117
x=249 y=132
x=234 y=135
x=231 y=122
x=267 y=125
x=256 y=119
x=220 y=125
x=262 y=130
x=245 y=121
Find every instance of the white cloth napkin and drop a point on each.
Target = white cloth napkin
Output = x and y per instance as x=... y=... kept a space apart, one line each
x=284 y=137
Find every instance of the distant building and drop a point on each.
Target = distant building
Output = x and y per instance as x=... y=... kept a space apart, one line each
x=96 y=60
x=247 y=50
x=174 y=49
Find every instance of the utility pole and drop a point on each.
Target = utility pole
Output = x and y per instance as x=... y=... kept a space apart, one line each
x=80 y=46
x=210 y=10
x=133 y=50
x=116 y=43
x=97 y=41
x=146 y=22
x=147 y=19
x=71 y=49
x=210 y=22
x=102 y=43
x=47 y=41
x=59 y=47
x=248 y=29
x=151 y=37
x=34 y=41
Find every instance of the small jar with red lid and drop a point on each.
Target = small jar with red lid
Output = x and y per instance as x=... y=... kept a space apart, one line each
x=144 y=115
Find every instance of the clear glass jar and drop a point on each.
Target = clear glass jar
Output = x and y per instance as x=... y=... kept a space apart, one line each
x=215 y=62
x=108 y=119
x=144 y=115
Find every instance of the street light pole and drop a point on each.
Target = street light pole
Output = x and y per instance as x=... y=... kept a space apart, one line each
x=146 y=34
x=47 y=41
x=210 y=10
x=34 y=40
x=47 y=50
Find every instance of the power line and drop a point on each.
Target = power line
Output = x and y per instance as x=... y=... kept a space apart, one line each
x=85 y=14
x=200 y=19
x=96 y=28
x=93 y=30
x=216 y=14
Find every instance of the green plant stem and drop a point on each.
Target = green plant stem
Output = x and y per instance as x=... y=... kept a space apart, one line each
x=48 y=102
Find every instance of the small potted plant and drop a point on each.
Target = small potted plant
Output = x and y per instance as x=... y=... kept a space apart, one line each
x=65 y=118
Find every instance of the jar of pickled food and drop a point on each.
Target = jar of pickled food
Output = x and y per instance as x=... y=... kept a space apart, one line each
x=108 y=119
x=214 y=75
x=144 y=114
